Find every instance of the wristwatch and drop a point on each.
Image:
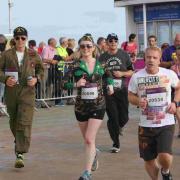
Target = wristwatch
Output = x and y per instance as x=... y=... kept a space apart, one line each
x=176 y=103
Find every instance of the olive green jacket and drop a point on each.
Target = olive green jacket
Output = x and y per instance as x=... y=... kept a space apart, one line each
x=31 y=66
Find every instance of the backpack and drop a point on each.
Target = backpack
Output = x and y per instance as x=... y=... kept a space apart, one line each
x=125 y=45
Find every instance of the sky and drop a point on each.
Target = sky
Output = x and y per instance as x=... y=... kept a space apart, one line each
x=69 y=18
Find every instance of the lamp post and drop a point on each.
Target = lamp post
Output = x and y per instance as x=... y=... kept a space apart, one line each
x=145 y=25
x=10 y=4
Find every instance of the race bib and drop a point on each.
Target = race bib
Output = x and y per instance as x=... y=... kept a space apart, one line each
x=117 y=83
x=157 y=96
x=90 y=91
x=158 y=99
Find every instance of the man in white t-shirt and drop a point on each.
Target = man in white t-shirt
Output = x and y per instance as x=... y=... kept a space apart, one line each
x=150 y=89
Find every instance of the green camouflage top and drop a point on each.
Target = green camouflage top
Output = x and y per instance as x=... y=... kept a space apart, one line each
x=94 y=80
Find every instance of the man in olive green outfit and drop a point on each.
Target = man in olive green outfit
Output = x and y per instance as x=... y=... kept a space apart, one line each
x=20 y=69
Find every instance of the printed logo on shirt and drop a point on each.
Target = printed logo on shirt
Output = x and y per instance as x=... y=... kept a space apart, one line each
x=154 y=89
x=113 y=63
x=152 y=82
x=148 y=81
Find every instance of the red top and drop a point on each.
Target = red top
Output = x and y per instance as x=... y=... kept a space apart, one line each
x=40 y=49
x=129 y=47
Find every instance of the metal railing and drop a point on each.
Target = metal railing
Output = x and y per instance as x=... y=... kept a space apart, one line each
x=50 y=87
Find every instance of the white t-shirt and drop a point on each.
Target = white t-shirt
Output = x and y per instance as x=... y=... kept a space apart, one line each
x=20 y=56
x=157 y=89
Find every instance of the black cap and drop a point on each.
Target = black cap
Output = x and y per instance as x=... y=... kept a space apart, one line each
x=20 y=31
x=112 y=36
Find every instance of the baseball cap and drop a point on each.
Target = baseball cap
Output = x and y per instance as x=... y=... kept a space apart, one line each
x=112 y=36
x=20 y=31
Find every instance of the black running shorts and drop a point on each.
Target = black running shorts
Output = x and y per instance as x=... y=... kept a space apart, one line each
x=97 y=114
x=153 y=141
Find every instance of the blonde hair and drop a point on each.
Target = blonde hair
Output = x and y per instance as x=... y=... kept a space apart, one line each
x=90 y=39
x=86 y=38
x=154 y=49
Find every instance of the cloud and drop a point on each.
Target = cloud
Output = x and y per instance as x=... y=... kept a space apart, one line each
x=102 y=16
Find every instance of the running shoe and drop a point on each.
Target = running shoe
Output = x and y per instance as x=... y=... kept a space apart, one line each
x=19 y=163
x=115 y=149
x=95 y=164
x=166 y=176
x=86 y=176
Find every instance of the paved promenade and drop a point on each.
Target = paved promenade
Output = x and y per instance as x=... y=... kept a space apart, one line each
x=56 y=151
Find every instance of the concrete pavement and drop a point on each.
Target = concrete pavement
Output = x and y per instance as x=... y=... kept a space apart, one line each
x=56 y=151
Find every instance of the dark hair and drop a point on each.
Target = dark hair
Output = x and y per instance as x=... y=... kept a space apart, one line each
x=152 y=36
x=5 y=39
x=12 y=42
x=32 y=43
x=49 y=40
x=132 y=36
x=100 y=39
x=164 y=46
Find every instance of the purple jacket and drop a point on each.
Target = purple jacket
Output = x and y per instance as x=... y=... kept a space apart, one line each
x=167 y=54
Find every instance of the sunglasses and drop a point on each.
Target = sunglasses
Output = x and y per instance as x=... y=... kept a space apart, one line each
x=83 y=46
x=113 y=40
x=18 y=38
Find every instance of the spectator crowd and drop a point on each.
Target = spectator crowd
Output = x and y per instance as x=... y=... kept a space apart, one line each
x=99 y=73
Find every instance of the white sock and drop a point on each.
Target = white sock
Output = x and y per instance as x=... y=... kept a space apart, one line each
x=165 y=172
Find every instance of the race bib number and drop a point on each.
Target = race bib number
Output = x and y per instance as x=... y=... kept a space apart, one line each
x=89 y=92
x=117 y=83
x=157 y=104
x=158 y=99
